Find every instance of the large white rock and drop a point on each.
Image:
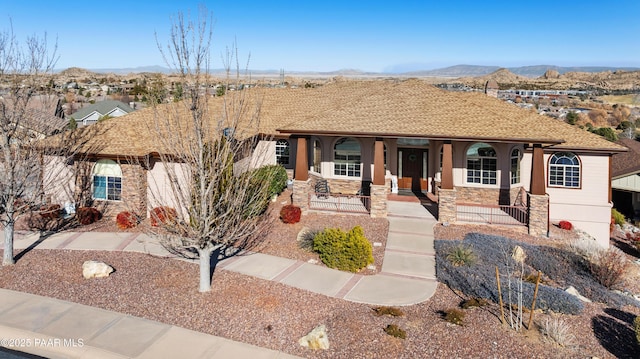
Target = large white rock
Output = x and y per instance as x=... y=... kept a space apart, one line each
x=316 y=339
x=573 y=291
x=95 y=269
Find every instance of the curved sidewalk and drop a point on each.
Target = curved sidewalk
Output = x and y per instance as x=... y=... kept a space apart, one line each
x=407 y=275
x=57 y=328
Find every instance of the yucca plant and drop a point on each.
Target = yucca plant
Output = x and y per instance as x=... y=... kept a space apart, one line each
x=462 y=255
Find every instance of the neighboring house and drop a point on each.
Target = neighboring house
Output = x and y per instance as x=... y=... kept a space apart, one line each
x=42 y=116
x=481 y=159
x=625 y=179
x=90 y=114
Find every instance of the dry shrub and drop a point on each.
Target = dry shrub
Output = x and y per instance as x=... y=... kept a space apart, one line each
x=50 y=212
x=454 y=315
x=126 y=220
x=395 y=331
x=88 y=215
x=558 y=331
x=474 y=303
x=609 y=267
x=163 y=215
x=392 y=311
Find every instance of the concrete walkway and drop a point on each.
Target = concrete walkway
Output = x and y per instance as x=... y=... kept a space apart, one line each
x=407 y=277
x=55 y=328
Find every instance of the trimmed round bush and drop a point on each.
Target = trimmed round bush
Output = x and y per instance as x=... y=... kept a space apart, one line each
x=347 y=251
x=290 y=214
x=163 y=215
x=88 y=215
x=126 y=220
x=566 y=225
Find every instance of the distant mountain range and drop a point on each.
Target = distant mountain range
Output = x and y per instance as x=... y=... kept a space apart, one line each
x=527 y=71
x=451 y=71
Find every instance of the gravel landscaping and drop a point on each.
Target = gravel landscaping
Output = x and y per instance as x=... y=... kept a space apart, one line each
x=275 y=316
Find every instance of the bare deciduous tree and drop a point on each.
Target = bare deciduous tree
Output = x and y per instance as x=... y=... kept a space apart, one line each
x=25 y=117
x=203 y=146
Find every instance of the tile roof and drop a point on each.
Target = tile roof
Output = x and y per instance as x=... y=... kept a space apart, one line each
x=627 y=163
x=408 y=108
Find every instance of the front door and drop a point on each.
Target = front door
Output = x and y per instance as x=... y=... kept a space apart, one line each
x=412 y=169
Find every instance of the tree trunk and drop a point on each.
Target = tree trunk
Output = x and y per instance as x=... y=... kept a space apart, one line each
x=7 y=259
x=205 y=268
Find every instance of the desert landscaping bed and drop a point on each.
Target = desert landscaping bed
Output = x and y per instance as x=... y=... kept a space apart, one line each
x=272 y=315
x=275 y=316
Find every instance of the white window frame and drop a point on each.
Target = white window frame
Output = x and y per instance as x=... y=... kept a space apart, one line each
x=110 y=173
x=283 y=152
x=350 y=163
x=482 y=169
x=564 y=170
x=515 y=165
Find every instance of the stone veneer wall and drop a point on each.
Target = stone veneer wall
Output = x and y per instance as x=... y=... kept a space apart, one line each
x=379 y=199
x=134 y=188
x=539 y=215
x=133 y=196
x=341 y=185
x=300 y=196
x=487 y=196
x=447 y=211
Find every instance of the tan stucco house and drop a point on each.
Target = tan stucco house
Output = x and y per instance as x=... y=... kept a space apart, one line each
x=480 y=158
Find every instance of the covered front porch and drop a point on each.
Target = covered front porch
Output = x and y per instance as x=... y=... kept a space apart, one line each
x=471 y=181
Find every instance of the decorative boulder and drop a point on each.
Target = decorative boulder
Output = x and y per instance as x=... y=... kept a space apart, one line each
x=573 y=291
x=316 y=339
x=94 y=269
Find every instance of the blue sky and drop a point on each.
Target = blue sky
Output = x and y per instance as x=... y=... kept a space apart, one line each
x=379 y=36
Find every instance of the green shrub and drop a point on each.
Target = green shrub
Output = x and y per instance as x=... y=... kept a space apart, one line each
x=395 y=331
x=461 y=255
x=276 y=175
x=350 y=251
x=392 y=311
x=617 y=217
x=636 y=328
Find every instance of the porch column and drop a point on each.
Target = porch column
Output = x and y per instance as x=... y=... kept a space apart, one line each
x=537 y=171
x=538 y=199
x=302 y=163
x=378 y=163
x=447 y=166
x=447 y=209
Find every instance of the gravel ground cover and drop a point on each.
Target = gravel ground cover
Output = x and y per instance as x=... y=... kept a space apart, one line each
x=275 y=316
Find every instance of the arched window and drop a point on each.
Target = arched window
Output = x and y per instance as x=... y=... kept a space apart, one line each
x=346 y=158
x=282 y=152
x=481 y=164
x=317 y=156
x=107 y=180
x=515 y=166
x=564 y=170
